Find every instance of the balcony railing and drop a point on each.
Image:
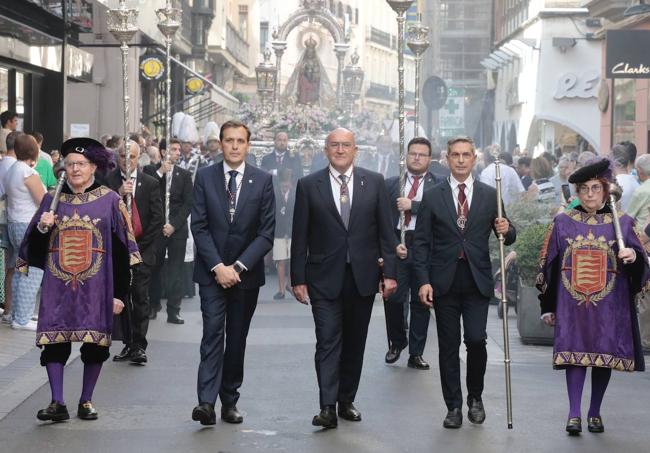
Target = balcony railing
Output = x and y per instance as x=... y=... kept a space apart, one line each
x=236 y=44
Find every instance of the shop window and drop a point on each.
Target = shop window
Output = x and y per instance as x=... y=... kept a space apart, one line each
x=624 y=109
x=4 y=89
x=20 y=99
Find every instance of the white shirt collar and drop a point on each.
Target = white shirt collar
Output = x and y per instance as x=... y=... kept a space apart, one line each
x=453 y=182
x=336 y=173
x=240 y=169
x=280 y=153
x=134 y=174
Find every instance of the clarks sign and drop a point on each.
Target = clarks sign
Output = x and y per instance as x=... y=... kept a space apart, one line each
x=627 y=54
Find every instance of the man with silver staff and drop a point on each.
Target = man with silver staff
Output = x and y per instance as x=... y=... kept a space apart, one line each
x=454 y=273
x=147 y=220
x=174 y=232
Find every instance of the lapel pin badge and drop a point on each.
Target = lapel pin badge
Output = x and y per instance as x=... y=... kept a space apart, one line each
x=250 y=181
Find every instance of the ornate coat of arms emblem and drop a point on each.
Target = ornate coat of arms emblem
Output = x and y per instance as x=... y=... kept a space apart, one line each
x=80 y=249
x=589 y=268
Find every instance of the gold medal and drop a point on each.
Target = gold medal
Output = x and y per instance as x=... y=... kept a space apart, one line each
x=344 y=199
x=461 y=221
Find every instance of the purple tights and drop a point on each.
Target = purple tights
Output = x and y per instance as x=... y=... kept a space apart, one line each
x=575 y=381
x=55 y=376
x=91 y=374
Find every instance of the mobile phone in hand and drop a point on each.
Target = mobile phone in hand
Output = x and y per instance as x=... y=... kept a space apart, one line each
x=566 y=193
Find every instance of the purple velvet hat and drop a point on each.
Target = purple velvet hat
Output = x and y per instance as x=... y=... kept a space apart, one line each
x=94 y=151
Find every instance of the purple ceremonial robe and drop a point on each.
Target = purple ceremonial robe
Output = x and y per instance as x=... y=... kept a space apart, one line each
x=592 y=291
x=76 y=256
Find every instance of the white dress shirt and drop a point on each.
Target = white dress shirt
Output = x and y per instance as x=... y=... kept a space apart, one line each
x=240 y=175
x=510 y=181
x=170 y=174
x=469 y=190
x=336 y=182
x=418 y=197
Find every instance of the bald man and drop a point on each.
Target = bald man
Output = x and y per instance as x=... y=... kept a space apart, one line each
x=341 y=227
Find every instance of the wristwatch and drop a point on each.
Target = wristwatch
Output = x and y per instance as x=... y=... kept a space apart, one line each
x=238 y=267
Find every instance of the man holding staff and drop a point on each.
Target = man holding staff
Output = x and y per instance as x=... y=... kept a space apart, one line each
x=454 y=273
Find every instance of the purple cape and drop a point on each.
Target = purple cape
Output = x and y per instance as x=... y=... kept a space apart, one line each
x=77 y=291
x=592 y=291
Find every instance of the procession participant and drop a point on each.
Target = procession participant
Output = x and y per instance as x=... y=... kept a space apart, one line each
x=147 y=220
x=452 y=262
x=174 y=234
x=281 y=158
x=588 y=286
x=341 y=227
x=86 y=249
x=285 y=199
x=233 y=218
x=418 y=181
x=385 y=161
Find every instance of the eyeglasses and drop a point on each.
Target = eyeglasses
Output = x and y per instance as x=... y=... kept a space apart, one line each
x=596 y=188
x=344 y=145
x=81 y=164
x=418 y=155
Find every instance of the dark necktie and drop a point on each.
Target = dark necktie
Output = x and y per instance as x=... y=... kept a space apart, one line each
x=232 y=193
x=412 y=194
x=345 y=200
x=461 y=220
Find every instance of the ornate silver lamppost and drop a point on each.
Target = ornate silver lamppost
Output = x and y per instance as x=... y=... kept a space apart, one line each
x=278 y=47
x=122 y=25
x=352 y=83
x=400 y=7
x=266 y=74
x=418 y=43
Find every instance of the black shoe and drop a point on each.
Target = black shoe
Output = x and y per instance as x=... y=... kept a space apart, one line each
x=393 y=353
x=175 y=319
x=574 y=426
x=417 y=362
x=138 y=356
x=595 y=425
x=55 y=412
x=327 y=418
x=86 y=411
x=349 y=412
x=204 y=413
x=476 y=412
x=278 y=296
x=123 y=356
x=230 y=414
x=454 y=419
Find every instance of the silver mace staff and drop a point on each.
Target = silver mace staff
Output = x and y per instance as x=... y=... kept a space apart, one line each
x=504 y=301
x=122 y=25
x=418 y=43
x=615 y=194
x=400 y=7
x=169 y=23
x=56 y=196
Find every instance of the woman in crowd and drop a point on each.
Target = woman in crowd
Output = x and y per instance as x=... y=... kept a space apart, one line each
x=86 y=249
x=25 y=191
x=587 y=289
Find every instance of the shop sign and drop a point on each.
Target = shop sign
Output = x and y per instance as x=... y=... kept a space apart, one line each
x=572 y=85
x=627 y=54
x=194 y=85
x=152 y=68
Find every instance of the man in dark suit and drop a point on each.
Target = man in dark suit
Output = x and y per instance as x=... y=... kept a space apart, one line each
x=436 y=168
x=233 y=219
x=174 y=233
x=280 y=158
x=452 y=262
x=341 y=227
x=147 y=219
x=385 y=161
x=418 y=181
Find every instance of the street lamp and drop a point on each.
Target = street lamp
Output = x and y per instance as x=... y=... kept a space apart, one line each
x=400 y=7
x=352 y=82
x=122 y=23
x=266 y=74
x=418 y=43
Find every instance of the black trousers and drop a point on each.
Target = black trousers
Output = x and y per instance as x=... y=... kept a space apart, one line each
x=173 y=279
x=397 y=308
x=140 y=305
x=341 y=331
x=464 y=300
x=60 y=352
x=227 y=315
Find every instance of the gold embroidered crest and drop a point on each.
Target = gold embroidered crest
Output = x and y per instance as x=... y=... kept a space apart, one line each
x=79 y=248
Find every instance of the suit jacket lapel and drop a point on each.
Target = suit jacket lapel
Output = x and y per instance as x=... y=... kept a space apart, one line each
x=220 y=189
x=358 y=196
x=325 y=188
x=449 y=202
x=247 y=183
